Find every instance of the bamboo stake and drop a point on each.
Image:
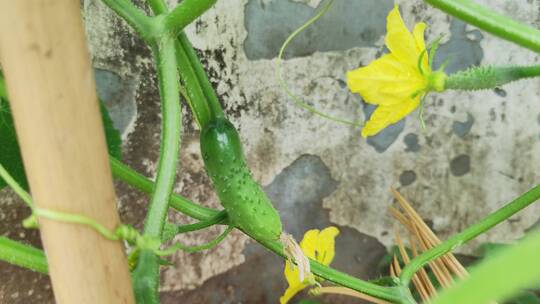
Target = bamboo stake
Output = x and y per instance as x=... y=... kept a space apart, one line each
x=51 y=85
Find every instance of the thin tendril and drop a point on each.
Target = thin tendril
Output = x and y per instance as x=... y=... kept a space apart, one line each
x=123 y=232
x=178 y=246
x=297 y=100
x=433 y=50
x=16 y=187
x=421 y=113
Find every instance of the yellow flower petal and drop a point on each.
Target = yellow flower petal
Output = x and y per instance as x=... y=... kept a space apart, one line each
x=295 y=286
x=418 y=33
x=327 y=245
x=383 y=116
x=385 y=81
x=290 y=293
x=309 y=243
x=318 y=245
x=291 y=274
x=399 y=40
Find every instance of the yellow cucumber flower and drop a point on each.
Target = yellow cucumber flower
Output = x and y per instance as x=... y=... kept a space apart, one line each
x=397 y=81
x=317 y=245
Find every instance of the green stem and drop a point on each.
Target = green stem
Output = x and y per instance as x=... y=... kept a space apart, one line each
x=16 y=187
x=22 y=255
x=487 y=77
x=196 y=97
x=180 y=203
x=158 y=6
x=200 y=73
x=145 y=278
x=172 y=230
x=216 y=219
x=490 y=21
x=202 y=99
x=499 y=277
x=146 y=274
x=468 y=234
x=141 y=23
x=184 y=13
x=170 y=138
x=213 y=243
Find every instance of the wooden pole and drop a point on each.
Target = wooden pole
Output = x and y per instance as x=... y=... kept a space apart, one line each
x=52 y=91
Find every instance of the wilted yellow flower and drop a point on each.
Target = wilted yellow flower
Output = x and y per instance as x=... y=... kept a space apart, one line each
x=317 y=245
x=397 y=81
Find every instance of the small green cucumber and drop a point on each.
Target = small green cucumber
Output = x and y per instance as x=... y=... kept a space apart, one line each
x=248 y=207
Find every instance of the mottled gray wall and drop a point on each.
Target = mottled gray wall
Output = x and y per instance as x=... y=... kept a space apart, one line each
x=478 y=151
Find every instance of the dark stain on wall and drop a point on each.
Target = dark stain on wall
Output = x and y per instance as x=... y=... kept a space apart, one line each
x=411 y=141
x=463 y=128
x=407 y=177
x=460 y=165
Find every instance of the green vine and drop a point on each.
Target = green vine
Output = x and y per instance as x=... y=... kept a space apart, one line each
x=470 y=233
x=491 y=22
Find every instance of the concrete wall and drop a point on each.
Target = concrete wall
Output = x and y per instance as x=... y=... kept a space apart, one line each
x=479 y=149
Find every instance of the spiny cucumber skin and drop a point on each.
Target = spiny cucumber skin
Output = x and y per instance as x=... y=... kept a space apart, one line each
x=248 y=207
x=483 y=77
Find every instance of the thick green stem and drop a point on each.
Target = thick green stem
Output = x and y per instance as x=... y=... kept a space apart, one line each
x=158 y=6
x=22 y=255
x=499 y=277
x=141 y=23
x=196 y=98
x=490 y=21
x=468 y=234
x=146 y=273
x=202 y=98
x=180 y=203
x=170 y=137
x=145 y=278
x=203 y=81
x=185 y=13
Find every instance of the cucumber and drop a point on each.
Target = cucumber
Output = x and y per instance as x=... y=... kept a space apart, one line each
x=248 y=207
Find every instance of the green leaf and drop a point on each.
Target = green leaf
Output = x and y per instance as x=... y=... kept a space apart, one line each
x=10 y=154
x=307 y=301
x=488 y=249
x=112 y=135
x=525 y=298
x=22 y=255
